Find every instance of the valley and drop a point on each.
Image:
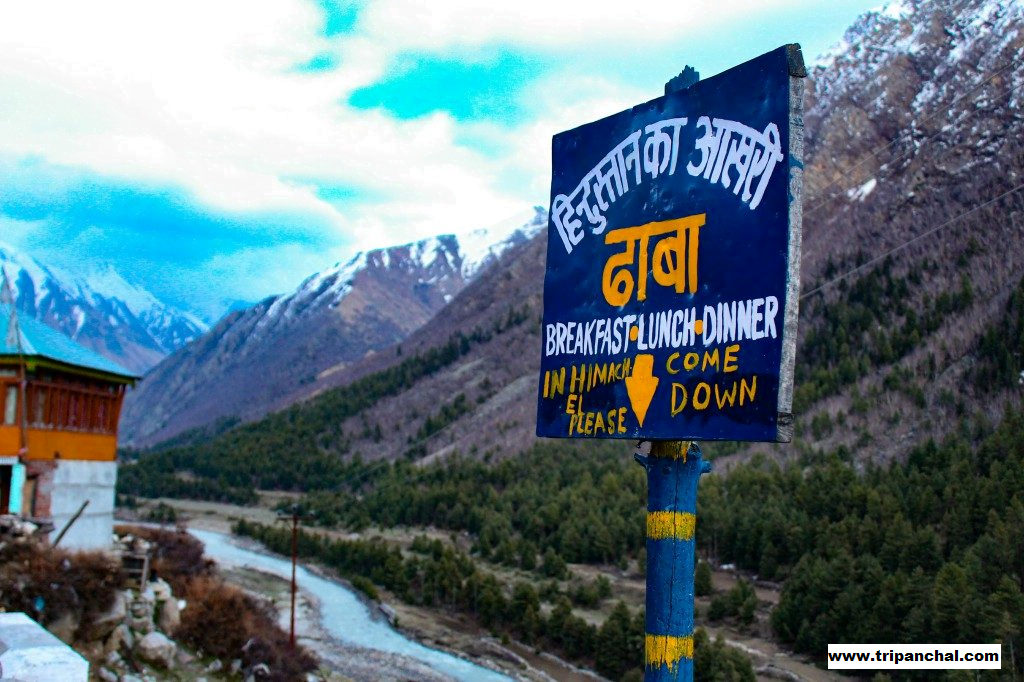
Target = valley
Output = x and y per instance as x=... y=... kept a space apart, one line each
x=452 y=631
x=391 y=400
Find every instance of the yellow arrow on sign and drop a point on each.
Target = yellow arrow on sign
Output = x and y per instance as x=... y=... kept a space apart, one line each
x=641 y=385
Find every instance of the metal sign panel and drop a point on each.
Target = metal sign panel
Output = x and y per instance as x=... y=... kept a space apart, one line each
x=673 y=264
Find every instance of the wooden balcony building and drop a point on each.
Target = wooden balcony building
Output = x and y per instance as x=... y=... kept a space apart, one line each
x=59 y=410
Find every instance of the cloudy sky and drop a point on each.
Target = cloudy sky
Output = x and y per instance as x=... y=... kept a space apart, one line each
x=224 y=150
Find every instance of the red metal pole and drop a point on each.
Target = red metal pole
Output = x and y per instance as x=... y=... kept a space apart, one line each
x=295 y=555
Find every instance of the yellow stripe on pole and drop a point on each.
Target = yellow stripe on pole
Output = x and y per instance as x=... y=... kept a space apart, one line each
x=670 y=449
x=669 y=525
x=667 y=650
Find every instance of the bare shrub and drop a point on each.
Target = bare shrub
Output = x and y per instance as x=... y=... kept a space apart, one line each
x=223 y=621
x=48 y=583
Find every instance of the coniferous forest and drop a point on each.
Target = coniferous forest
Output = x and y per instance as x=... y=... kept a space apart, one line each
x=923 y=548
x=922 y=551
x=284 y=270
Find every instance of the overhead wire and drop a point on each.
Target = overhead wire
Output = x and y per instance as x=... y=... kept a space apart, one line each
x=908 y=242
x=424 y=472
x=828 y=200
x=845 y=174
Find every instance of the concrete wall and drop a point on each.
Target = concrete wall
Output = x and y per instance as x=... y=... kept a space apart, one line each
x=73 y=483
x=31 y=654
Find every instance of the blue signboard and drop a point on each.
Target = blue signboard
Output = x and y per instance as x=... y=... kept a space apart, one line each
x=673 y=264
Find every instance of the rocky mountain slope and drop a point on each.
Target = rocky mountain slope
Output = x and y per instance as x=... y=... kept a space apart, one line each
x=915 y=179
x=289 y=346
x=913 y=244
x=102 y=311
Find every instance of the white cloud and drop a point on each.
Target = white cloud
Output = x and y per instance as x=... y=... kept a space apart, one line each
x=552 y=25
x=206 y=96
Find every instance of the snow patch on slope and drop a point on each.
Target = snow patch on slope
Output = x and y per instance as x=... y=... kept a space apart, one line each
x=482 y=246
x=861 y=193
x=105 y=283
x=465 y=254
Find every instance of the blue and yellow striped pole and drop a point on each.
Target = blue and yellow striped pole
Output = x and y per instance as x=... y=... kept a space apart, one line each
x=673 y=471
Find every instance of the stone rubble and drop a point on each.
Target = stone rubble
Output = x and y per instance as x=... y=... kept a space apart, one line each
x=13 y=528
x=134 y=638
x=133 y=641
x=157 y=649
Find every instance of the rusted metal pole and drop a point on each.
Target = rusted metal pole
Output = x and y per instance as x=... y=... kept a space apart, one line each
x=295 y=558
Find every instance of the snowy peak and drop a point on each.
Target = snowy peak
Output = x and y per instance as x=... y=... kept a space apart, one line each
x=107 y=280
x=936 y=40
x=288 y=346
x=432 y=262
x=908 y=80
x=444 y=263
x=482 y=247
x=101 y=311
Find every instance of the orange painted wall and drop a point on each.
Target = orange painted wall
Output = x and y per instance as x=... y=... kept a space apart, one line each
x=44 y=444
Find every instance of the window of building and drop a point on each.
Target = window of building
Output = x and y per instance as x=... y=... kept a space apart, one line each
x=11 y=405
x=38 y=402
x=74 y=404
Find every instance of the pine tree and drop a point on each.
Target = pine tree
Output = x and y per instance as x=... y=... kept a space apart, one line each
x=702 y=585
x=613 y=643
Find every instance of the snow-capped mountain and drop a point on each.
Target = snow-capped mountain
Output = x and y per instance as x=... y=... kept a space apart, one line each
x=101 y=311
x=480 y=248
x=914 y=163
x=260 y=358
x=916 y=94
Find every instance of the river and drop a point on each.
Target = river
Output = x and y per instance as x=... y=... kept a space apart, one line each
x=343 y=615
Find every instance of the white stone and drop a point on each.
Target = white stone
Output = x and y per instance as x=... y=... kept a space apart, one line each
x=114 y=660
x=157 y=649
x=161 y=590
x=31 y=654
x=105 y=623
x=169 y=618
x=120 y=638
x=140 y=618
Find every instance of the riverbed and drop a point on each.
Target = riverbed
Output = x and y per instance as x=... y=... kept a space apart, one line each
x=343 y=615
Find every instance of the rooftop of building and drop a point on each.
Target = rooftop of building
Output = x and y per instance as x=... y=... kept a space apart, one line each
x=37 y=340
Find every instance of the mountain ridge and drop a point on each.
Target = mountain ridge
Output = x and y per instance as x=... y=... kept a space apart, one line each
x=289 y=346
x=904 y=277
x=100 y=310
